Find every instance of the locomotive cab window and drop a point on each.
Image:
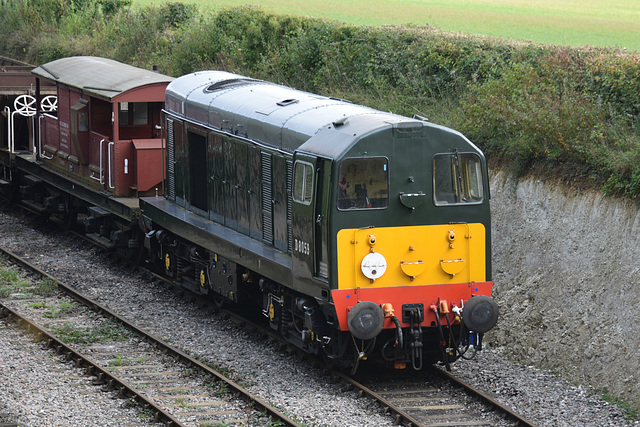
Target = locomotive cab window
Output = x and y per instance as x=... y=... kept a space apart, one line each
x=457 y=179
x=364 y=183
x=303 y=182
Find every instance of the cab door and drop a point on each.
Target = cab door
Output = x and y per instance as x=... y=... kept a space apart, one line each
x=310 y=197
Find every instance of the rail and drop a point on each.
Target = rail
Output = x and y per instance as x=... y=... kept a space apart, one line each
x=111 y=381
x=254 y=401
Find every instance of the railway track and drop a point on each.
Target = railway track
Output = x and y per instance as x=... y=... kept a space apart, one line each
x=169 y=385
x=433 y=398
x=413 y=401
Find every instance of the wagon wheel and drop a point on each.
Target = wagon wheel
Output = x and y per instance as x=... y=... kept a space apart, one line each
x=69 y=216
x=25 y=105
x=49 y=103
x=69 y=219
x=135 y=254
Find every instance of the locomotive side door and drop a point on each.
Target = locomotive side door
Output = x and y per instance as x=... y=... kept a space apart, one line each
x=321 y=236
x=310 y=197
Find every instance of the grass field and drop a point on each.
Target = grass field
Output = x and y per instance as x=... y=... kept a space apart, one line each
x=564 y=22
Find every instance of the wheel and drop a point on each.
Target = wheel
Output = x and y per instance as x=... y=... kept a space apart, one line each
x=69 y=217
x=135 y=254
x=25 y=105
x=218 y=300
x=49 y=104
x=68 y=220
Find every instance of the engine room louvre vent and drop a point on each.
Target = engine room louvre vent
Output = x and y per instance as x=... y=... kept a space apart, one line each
x=224 y=84
x=289 y=206
x=267 y=205
x=171 y=182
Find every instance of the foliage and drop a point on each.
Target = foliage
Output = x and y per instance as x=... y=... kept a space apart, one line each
x=631 y=413
x=72 y=334
x=554 y=111
x=63 y=309
x=529 y=104
x=8 y=276
x=46 y=287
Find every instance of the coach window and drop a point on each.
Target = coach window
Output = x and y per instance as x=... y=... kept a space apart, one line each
x=133 y=113
x=457 y=179
x=303 y=182
x=364 y=183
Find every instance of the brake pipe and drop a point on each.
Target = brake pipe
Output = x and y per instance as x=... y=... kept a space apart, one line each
x=445 y=359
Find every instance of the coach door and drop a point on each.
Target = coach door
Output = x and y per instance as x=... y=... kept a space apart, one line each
x=310 y=214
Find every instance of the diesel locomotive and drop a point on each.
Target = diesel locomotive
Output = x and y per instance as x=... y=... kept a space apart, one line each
x=364 y=233
x=357 y=234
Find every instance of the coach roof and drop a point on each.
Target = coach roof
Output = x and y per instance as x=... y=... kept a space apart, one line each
x=101 y=77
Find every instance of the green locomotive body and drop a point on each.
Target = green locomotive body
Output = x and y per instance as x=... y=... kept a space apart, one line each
x=357 y=233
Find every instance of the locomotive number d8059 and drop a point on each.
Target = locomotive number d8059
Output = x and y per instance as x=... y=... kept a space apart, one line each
x=302 y=247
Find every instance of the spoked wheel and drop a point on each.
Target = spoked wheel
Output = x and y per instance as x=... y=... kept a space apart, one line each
x=49 y=104
x=25 y=105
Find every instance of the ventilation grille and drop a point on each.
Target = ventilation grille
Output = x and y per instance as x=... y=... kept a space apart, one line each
x=289 y=214
x=171 y=157
x=267 y=200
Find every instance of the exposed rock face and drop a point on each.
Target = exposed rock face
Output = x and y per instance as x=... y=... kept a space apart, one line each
x=566 y=267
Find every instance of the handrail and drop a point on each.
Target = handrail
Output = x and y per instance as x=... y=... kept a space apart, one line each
x=109 y=159
x=11 y=139
x=7 y=109
x=41 y=152
x=100 y=177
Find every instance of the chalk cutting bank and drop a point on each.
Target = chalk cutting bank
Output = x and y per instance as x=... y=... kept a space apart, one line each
x=566 y=266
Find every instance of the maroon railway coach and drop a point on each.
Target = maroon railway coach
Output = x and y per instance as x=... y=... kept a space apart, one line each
x=106 y=130
x=97 y=145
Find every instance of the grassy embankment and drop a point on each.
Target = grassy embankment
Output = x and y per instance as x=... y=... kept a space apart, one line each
x=531 y=105
x=567 y=22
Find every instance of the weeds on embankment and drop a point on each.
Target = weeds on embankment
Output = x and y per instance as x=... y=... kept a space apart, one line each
x=569 y=109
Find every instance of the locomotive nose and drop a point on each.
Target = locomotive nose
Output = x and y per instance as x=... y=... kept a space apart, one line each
x=480 y=313
x=365 y=320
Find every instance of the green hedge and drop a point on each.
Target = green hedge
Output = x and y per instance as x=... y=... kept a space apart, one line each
x=531 y=105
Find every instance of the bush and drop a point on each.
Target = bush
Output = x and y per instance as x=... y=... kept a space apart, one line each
x=529 y=104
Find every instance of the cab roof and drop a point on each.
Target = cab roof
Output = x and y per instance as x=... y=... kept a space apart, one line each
x=274 y=115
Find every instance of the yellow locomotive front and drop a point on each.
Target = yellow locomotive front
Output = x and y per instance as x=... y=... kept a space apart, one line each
x=406 y=279
x=413 y=275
